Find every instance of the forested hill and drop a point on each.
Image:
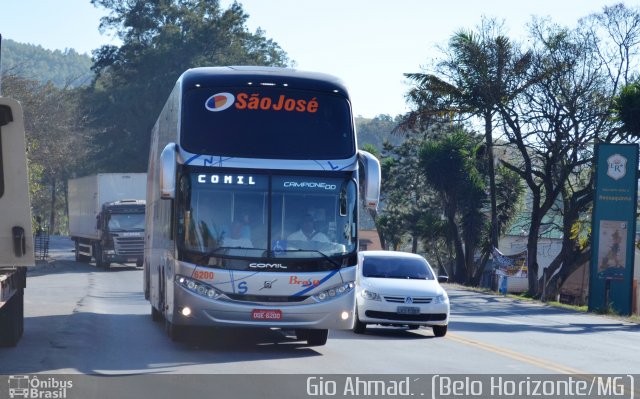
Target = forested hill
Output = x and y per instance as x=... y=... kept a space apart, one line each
x=70 y=68
x=376 y=131
x=62 y=68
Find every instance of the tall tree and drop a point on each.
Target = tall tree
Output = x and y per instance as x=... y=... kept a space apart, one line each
x=449 y=166
x=555 y=122
x=481 y=69
x=405 y=195
x=160 y=40
x=56 y=143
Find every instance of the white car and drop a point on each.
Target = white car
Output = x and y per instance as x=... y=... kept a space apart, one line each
x=399 y=289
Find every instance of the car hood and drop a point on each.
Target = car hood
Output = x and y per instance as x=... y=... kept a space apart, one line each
x=396 y=286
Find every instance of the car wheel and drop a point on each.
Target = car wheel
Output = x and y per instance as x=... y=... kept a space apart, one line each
x=358 y=326
x=440 y=331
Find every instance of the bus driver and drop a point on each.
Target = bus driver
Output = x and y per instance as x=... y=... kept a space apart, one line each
x=307 y=232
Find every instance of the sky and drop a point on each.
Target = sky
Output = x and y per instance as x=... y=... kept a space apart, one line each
x=369 y=44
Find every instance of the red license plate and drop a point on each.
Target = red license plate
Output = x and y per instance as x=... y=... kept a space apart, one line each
x=266 y=314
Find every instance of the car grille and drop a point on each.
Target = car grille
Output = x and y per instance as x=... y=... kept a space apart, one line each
x=126 y=246
x=402 y=299
x=374 y=314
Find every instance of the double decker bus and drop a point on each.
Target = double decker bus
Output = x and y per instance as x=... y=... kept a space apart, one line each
x=253 y=187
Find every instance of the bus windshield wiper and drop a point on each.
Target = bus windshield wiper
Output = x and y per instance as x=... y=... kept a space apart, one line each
x=327 y=257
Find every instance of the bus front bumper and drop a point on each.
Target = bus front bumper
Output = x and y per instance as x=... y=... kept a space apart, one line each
x=336 y=313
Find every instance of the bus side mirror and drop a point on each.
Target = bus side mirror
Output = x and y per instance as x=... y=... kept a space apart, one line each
x=372 y=178
x=167 y=171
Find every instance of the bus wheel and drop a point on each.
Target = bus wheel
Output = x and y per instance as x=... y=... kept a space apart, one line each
x=155 y=314
x=317 y=337
x=175 y=332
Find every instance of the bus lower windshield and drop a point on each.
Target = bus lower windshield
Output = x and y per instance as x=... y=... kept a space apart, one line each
x=267 y=216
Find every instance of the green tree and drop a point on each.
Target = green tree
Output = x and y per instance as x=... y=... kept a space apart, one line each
x=56 y=144
x=450 y=167
x=405 y=195
x=626 y=108
x=160 y=40
x=481 y=70
x=554 y=123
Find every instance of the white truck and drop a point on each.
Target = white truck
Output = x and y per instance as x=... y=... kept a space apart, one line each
x=106 y=217
x=16 y=238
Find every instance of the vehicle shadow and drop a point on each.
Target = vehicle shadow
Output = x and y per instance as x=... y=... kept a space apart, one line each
x=92 y=343
x=379 y=332
x=61 y=266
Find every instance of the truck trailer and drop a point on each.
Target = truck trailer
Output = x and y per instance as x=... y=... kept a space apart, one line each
x=106 y=217
x=16 y=239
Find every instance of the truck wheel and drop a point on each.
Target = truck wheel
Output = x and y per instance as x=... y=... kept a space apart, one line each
x=97 y=252
x=79 y=256
x=12 y=320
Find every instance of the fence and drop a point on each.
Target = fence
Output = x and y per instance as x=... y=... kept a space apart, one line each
x=41 y=244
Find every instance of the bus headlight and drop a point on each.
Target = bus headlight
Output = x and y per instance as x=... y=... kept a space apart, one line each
x=198 y=287
x=334 y=292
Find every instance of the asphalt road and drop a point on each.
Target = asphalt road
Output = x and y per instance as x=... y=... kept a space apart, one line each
x=80 y=319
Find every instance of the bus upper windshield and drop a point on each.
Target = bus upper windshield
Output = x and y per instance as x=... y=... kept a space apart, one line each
x=257 y=215
x=244 y=122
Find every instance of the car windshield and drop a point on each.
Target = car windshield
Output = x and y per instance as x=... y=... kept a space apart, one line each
x=396 y=267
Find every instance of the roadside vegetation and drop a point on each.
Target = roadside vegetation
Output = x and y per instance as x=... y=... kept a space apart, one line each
x=498 y=130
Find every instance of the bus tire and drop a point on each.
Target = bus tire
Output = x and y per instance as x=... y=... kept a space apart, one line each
x=317 y=337
x=175 y=332
x=155 y=314
x=12 y=320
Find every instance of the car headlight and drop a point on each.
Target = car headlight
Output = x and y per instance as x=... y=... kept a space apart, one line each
x=370 y=295
x=334 y=292
x=198 y=287
x=444 y=298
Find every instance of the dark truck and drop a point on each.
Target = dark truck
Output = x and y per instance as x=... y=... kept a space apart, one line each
x=106 y=218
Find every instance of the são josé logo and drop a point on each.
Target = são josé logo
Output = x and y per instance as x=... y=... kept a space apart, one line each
x=219 y=102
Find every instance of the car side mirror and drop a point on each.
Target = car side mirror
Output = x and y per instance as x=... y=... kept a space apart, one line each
x=443 y=279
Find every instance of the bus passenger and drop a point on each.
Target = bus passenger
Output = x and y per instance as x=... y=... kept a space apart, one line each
x=235 y=237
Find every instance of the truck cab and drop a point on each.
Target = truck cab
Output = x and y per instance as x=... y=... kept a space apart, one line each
x=122 y=226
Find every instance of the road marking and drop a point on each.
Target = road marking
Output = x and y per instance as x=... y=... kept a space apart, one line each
x=546 y=364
